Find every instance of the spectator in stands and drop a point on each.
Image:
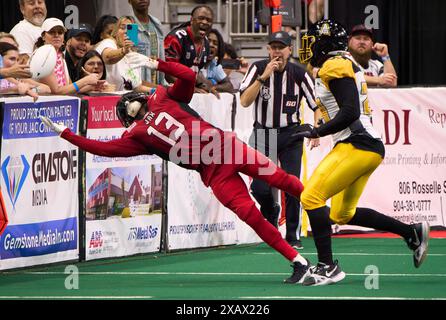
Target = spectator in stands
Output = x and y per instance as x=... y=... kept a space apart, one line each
x=90 y=63
x=276 y=87
x=78 y=43
x=315 y=10
x=188 y=44
x=59 y=81
x=9 y=38
x=361 y=45
x=10 y=56
x=213 y=73
x=117 y=55
x=234 y=67
x=104 y=28
x=151 y=38
x=29 y=29
x=18 y=71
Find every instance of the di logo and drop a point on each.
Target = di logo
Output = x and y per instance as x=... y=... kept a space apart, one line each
x=396 y=127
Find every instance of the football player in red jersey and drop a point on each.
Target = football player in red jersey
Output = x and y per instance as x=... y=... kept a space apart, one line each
x=163 y=124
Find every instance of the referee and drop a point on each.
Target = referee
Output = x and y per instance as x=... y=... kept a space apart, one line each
x=276 y=86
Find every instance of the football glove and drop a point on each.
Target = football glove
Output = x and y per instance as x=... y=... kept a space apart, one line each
x=306 y=131
x=56 y=127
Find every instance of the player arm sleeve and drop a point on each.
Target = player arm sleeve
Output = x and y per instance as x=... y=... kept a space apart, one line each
x=123 y=147
x=183 y=88
x=346 y=94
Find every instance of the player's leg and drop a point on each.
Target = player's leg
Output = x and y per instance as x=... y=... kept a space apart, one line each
x=232 y=192
x=290 y=161
x=343 y=212
x=336 y=172
x=258 y=166
x=262 y=192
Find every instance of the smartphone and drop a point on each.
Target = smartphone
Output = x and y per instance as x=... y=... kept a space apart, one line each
x=233 y=64
x=132 y=33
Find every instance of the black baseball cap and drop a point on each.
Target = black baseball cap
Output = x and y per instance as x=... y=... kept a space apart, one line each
x=83 y=28
x=362 y=29
x=280 y=36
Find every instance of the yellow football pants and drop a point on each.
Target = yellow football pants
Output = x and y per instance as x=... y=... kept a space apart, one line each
x=342 y=176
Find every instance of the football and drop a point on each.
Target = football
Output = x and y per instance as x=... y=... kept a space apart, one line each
x=43 y=61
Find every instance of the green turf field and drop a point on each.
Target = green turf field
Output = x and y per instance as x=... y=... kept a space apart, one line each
x=240 y=272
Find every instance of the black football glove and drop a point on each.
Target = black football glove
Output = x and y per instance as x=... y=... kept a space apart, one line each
x=306 y=131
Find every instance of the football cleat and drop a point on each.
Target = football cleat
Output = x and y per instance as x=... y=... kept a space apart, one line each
x=299 y=272
x=419 y=243
x=324 y=274
x=296 y=244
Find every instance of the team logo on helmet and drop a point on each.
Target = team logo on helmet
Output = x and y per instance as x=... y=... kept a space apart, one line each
x=305 y=52
x=325 y=30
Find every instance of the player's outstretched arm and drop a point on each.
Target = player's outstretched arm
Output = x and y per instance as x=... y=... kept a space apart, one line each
x=183 y=88
x=123 y=147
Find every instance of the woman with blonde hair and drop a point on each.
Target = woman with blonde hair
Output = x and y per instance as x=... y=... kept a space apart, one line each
x=118 y=56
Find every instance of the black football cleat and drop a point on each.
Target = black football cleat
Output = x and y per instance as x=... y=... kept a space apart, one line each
x=299 y=272
x=419 y=243
x=324 y=274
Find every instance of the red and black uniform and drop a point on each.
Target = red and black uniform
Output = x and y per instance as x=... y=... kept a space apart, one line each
x=179 y=47
x=173 y=131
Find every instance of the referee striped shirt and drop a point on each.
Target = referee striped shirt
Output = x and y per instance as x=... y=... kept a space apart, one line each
x=277 y=104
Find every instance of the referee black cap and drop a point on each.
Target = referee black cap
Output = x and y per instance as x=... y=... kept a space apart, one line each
x=280 y=36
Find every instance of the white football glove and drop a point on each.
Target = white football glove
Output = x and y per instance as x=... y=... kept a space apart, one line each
x=137 y=60
x=56 y=127
x=134 y=76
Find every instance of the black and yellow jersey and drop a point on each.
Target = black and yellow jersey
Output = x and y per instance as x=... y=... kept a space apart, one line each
x=359 y=131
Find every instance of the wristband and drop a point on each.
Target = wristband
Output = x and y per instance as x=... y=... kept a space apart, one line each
x=213 y=82
x=76 y=86
x=385 y=58
x=259 y=79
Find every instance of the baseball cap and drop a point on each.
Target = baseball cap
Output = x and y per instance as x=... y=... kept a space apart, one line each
x=280 y=36
x=83 y=28
x=50 y=23
x=360 y=28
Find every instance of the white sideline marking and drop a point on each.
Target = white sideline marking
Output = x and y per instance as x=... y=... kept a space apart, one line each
x=339 y=298
x=358 y=254
x=77 y=297
x=226 y=273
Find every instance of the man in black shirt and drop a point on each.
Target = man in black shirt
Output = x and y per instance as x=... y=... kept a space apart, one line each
x=78 y=44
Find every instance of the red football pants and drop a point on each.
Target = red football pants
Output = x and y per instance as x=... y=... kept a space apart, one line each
x=232 y=192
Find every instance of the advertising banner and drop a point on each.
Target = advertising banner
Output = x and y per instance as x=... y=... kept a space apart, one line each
x=410 y=184
x=39 y=182
x=123 y=195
